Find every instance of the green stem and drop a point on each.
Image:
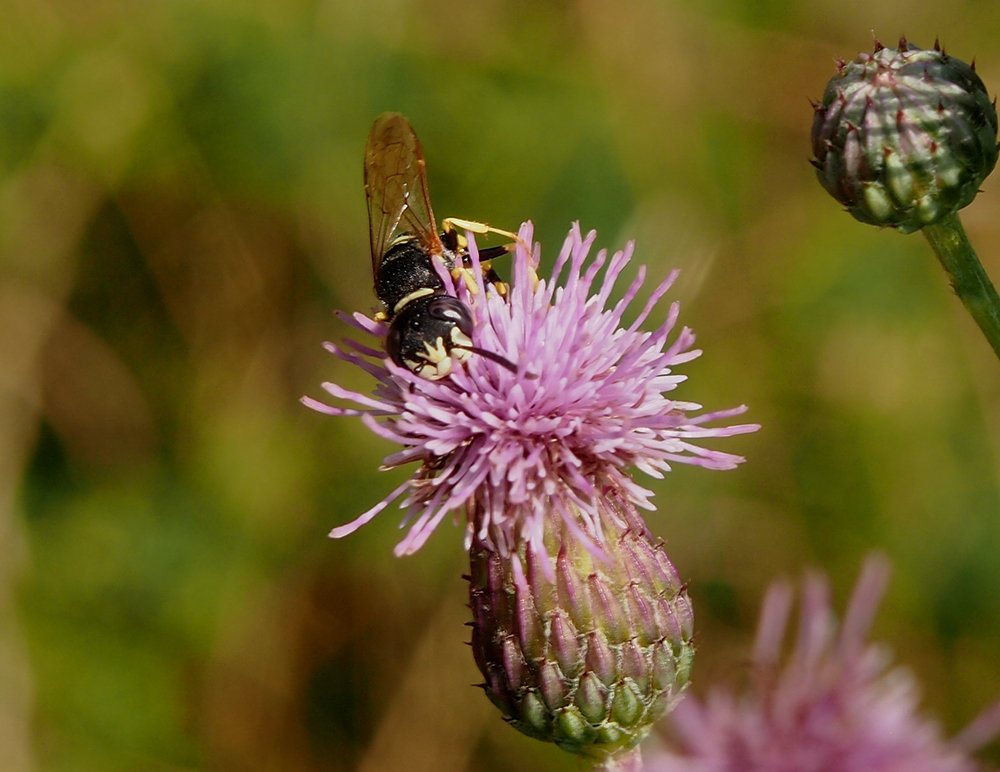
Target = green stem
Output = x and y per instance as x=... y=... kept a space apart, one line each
x=970 y=281
x=630 y=761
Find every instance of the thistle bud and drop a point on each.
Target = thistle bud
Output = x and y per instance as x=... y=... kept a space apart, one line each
x=904 y=137
x=578 y=650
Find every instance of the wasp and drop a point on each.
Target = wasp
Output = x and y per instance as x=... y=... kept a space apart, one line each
x=428 y=328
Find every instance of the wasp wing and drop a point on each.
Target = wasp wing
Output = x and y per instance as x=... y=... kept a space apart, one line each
x=396 y=188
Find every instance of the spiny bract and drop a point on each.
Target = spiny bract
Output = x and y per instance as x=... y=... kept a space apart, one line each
x=903 y=137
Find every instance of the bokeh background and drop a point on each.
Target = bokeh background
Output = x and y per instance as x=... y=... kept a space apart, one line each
x=181 y=208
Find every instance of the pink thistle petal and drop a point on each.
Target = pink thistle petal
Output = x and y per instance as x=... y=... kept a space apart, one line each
x=587 y=404
x=349 y=528
x=321 y=407
x=836 y=702
x=340 y=393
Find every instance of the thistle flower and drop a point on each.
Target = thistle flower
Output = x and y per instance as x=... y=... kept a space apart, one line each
x=837 y=702
x=904 y=137
x=581 y=652
x=587 y=402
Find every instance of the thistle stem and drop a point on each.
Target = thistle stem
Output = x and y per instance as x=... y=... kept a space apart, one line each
x=630 y=761
x=967 y=275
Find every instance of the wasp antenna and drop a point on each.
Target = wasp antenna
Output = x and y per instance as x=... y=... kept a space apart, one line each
x=492 y=356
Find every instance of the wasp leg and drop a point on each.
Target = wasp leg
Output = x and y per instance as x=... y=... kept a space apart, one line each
x=456 y=223
x=491 y=253
x=486 y=254
x=466 y=274
x=468 y=277
x=455 y=239
x=486 y=258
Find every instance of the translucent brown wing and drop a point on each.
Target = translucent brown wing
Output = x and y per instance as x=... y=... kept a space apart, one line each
x=396 y=188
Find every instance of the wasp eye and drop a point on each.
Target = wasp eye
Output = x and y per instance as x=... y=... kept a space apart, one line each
x=447 y=308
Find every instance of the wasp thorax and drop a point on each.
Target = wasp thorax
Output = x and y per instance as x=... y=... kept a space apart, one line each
x=428 y=333
x=406 y=270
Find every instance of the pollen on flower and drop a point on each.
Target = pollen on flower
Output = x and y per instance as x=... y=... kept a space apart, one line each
x=587 y=401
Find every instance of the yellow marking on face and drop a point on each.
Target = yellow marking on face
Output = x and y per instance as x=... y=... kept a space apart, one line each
x=439 y=371
x=459 y=338
x=429 y=371
x=436 y=353
x=435 y=362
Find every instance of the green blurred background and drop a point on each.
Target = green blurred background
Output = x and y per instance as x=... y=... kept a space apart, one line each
x=181 y=208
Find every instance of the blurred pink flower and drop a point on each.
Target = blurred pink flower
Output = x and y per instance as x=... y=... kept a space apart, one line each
x=837 y=704
x=586 y=404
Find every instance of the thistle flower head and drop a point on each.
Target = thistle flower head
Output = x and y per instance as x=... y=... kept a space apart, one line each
x=836 y=703
x=588 y=401
x=904 y=136
x=581 y=652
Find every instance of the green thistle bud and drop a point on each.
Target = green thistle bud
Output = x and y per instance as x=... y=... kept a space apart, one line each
x=904 y=137
x=577 y=650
